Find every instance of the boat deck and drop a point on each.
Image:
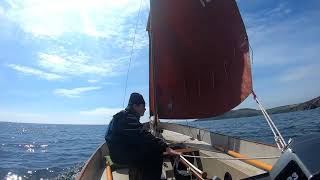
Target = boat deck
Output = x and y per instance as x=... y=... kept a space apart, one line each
x=214 y=167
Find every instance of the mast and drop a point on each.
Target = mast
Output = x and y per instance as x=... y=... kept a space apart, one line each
x=153 y=69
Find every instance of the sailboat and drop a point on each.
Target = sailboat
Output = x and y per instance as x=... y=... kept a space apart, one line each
x=199 y=67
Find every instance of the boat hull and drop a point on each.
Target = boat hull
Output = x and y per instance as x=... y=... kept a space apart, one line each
x=207 y=143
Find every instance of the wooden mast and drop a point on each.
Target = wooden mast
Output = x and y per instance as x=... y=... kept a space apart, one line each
x=155 y=119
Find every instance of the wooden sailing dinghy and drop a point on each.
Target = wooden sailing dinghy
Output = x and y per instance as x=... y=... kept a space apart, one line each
x=208 y=146
x=200 y=68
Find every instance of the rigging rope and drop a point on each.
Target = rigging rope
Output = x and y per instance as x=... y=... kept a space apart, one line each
x=251 y=53
x=133 y=41
x=277 y=135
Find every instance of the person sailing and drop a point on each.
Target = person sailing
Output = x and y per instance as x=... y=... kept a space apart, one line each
x=130 y=144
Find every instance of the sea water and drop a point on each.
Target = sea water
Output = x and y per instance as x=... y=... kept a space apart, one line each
x=44 y=151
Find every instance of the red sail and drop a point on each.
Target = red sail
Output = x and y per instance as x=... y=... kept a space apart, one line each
x=199 y=58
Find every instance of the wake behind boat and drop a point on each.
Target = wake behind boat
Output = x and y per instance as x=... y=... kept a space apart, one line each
x=199 y=68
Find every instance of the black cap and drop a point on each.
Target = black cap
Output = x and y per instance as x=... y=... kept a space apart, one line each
x=136 y=98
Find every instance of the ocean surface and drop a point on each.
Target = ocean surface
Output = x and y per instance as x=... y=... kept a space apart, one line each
x=42 y=151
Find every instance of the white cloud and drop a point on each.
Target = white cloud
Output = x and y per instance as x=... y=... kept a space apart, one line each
x=110 y=83
x=13 y=116
x=267 y=16
x=302 y=72
x=101 y=114
x=74 y=93
x=100 y=18
x=111 y=20
x=127 y=36
x=279 y=39
x=36 y=72
x=101 y=111
x=107 y=113
x=280 y=10
x=80 y=64
x=10 y=115
x=1 y=11
x=92 y=81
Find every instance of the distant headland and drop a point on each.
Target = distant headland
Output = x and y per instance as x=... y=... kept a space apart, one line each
x=247 y=112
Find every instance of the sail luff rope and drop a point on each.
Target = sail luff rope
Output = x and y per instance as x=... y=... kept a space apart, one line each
x=277 y=135
x=131 y=53
x=251 y=53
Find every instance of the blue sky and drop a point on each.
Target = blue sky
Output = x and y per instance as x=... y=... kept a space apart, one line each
x=66 y=61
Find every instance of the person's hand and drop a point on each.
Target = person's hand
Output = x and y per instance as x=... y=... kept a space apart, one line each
x=172 y=152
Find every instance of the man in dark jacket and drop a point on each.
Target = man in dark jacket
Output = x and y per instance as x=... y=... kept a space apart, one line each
x=134 y=146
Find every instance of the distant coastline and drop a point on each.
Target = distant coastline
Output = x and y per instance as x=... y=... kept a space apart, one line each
x=247 y=112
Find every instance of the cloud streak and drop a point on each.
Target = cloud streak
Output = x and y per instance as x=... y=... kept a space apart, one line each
x=92 y=81
x=1 y=11
x=107 y=113
x=101 y=111
x=300 y=73
x=36 y=72
x=80 y=64
x=277 y=35
x=102 y=114
x=109 y=20
x=93 y=18
x=9 y=115
x=76 y=92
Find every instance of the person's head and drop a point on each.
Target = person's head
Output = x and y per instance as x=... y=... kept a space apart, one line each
x=137 y=103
